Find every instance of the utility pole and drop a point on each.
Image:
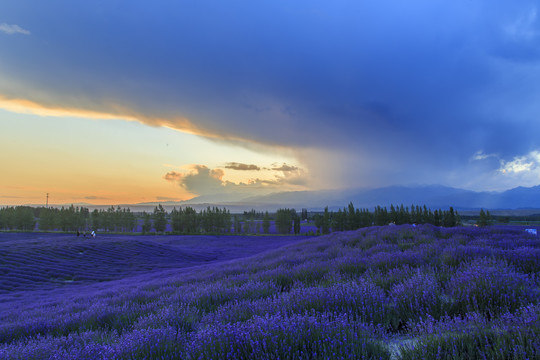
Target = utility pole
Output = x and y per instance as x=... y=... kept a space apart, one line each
x=47 y=203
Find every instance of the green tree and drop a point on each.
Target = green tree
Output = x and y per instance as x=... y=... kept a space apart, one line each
x=297 y=223
x=326 y=221
x=147 y=222
x=450 y=218
x=365 y=217
x=484 y=219
x=403 y=215
x=160 y=218
x=176 y=220
x=437 y=218
x=24 y=218
x=191 y=220
x=304 y=214
x=237 y=225
x=489 y=218
x=339 y=221
x=380 y=216
x=428 y=216
x=47 y=218
x=129 y=221
x=83 y=217
x=393 y=214
x=352 y=218
x=96 y=220
x=318 y=220
x=284 y=221
x=266 y=223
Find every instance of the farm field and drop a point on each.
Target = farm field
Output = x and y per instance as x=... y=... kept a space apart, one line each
x=393 y=292
x=32 y=261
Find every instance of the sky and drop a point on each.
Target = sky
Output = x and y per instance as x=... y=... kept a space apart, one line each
x=119 y=102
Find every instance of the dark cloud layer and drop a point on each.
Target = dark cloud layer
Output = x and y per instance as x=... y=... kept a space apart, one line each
x=368 y=93
x=285 y=168
x=242 y=167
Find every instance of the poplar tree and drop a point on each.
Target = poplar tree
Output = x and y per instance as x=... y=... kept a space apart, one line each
x=147 y=222
x=297 y=221
x=326 y=221
x=284 y=220
x=160 y=218
x=266 y=223
x=484 y=219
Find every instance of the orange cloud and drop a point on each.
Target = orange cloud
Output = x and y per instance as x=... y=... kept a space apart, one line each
x=204 y=181
x=24 y=106
x=111 y=110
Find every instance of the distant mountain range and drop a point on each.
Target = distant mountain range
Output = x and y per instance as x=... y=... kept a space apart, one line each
x=433 y=196
x=520 y=200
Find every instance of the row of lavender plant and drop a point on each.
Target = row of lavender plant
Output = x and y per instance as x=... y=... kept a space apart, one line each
x=59 y=260
x=378 y=293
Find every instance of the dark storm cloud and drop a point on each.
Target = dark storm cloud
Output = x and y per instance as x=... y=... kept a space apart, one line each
x=398 y=91
x=242 y=167
x=285 y=168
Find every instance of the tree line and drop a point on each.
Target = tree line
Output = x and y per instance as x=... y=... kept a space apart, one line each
x=188 y=221
x=17 y=218
x=70 y=218
x=215 y=220
x=350 y=218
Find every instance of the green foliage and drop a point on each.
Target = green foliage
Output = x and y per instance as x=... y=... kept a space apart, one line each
x=380 y=216
x=113 y=219
x=190 y=220
x=284 y=220
x=210 y=220
x=339 y=221
x=297 y=223
x=48 y=219
x=215 y=220
x=484 y=218
x=326 y=221
x=250 y=222
x=266 y=223
x=160 y=218
x=75 y=218
x=287 y=220
x=17 y=218
x=147 y=223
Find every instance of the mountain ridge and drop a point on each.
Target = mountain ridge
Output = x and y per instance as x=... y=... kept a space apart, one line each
x=433 y=196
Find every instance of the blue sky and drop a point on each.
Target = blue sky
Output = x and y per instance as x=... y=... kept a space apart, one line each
x=345 y=93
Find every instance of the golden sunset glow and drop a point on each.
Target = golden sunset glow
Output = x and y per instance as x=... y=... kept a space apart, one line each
x=95 y=158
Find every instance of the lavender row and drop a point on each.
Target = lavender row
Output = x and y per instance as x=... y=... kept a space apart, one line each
x=381 y=292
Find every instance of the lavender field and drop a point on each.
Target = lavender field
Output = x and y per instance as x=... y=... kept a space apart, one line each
x=394 y=292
